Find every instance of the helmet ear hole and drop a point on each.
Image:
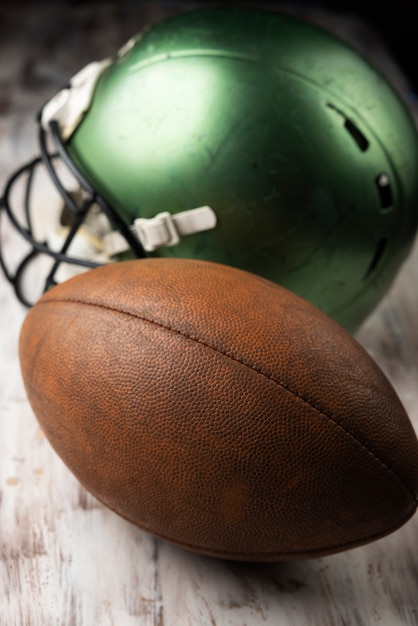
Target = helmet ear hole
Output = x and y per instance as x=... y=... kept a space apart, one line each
x=385 y=192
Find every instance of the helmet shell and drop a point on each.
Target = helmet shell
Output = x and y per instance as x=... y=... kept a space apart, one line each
x=302 y=149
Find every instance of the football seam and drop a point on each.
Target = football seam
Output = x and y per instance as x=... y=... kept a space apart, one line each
x=267 y=375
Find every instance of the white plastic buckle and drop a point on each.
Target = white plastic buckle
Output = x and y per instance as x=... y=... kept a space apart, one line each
x=157 y=231
x=166 y=229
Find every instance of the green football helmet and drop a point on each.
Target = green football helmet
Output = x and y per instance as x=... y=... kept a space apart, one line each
x=244 y=137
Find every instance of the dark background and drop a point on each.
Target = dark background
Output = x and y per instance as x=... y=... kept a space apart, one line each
x=394 y=22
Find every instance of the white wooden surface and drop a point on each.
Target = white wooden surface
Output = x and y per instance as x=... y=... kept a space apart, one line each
x=65 y=560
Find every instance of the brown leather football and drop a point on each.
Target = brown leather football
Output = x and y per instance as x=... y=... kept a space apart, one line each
x=219 y=411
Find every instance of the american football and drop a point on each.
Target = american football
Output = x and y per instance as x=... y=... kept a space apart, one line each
x=219 y=411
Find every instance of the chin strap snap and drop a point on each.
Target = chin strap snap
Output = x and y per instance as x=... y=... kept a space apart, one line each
x=165 y=229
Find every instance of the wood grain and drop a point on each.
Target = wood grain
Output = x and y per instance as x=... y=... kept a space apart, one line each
x=65 y=560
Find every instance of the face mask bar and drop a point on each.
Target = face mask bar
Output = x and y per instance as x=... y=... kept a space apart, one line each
x=79 y=214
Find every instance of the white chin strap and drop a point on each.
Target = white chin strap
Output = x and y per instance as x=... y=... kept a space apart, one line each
x=96 y=241
x=163 y=230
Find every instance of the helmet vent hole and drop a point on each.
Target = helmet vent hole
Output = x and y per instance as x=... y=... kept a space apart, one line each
x=377 y=257
x=356 y=134
x=360 y=139
x=385 y=192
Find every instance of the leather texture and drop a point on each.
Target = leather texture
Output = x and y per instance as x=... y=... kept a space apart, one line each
x=219 y=411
